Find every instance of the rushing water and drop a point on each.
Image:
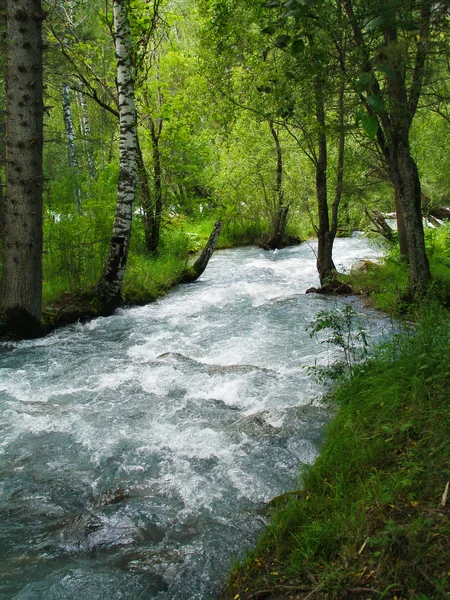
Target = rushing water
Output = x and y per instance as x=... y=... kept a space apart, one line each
x=137 y=450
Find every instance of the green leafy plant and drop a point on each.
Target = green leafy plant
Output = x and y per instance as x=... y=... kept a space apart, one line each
x=347 y=333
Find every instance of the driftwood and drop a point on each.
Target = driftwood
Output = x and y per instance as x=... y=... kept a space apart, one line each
x=439 y=212
x=194 y=272
x=378 y=220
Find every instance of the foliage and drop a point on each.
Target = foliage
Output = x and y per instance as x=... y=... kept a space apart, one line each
x=347 y=333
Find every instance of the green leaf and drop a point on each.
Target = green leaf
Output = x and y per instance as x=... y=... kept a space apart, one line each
x=370 y=125
x=264 y=89
x=376 y=103
x=282 y=40
x=270 y=30
x=296 y=13
x=297 y=47
x=374 y=23
x=291 y=75
x=387 y=70
x=364 y=83
x=273 y=4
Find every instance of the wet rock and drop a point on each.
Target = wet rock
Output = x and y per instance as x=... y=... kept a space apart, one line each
x=255 y=425
x=335 y=287
x=111 y=496
x=216 y=369
x=363 y=266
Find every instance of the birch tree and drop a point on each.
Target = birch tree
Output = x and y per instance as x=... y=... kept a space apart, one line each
x=110 y=285
x=21 y=298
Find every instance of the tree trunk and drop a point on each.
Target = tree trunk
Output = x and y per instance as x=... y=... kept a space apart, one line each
x=194 y=272
x=70 y=136
x=407 y=183
x=110 y=285
x=21 y=298
x=155 y=225
x=325 y=264
x=86 y=131
x=2 y=164
x=281 y=210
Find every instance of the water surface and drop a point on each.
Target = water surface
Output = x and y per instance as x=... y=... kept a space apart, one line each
x=137 y=450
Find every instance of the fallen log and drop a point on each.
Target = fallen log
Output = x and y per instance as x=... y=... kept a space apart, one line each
x=378 y=220
x=193 y=273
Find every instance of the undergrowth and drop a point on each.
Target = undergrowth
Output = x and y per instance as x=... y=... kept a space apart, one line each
x=370 y=520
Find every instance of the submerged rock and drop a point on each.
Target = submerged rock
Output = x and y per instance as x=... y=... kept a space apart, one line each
x=335 y=287
x=255 y=425
x=212 y=369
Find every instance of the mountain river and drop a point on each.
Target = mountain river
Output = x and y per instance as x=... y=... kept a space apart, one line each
x=137 y=451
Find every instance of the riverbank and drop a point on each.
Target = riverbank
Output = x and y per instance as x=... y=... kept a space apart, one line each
x=372 y=517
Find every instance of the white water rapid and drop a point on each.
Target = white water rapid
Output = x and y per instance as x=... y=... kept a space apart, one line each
x=136 y=451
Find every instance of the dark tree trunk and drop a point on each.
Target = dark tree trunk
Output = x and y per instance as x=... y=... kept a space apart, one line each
x=21 y=298
x=404 y=173
x=379 y=222
x=145 y=195
x=155 y=225
x=394 y=125
x=401 y=231
x=194 y=272
x=2 y=164
x=85 y=123
x=281 y=210
x=325 y=264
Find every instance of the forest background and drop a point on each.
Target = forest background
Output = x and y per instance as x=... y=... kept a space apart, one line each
x=286 y=120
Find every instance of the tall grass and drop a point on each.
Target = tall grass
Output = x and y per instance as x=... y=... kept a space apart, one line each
x=369 y=515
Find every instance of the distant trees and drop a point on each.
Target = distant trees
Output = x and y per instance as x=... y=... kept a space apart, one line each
x=21 y=287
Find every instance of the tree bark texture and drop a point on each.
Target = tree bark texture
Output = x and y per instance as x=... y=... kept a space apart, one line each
x=21 y=298
x=87 y=135
x=151 y=199
x=395 y=123
x=281 y=210
x=110 y=284
x=325 y=264
x=201 y=263
x=70 y=136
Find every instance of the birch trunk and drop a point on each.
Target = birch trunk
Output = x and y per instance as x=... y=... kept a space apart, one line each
x=70 y=136
x=85 y=123
x=110 y=285
x=21 y=297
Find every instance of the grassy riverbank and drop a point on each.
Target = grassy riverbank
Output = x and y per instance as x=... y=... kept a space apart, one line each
x=370 y=520
x=69 y=282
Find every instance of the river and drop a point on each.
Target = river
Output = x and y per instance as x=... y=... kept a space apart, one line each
x=137 y=450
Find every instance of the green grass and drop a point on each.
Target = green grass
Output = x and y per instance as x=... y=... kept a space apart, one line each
x=369 y=514
x=386 y=284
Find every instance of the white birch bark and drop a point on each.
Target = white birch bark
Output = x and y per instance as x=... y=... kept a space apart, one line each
x=110 y=284
x=70 y=135
x=85 y=125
